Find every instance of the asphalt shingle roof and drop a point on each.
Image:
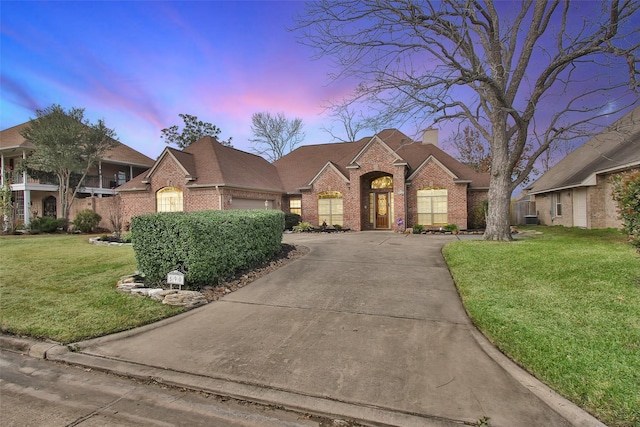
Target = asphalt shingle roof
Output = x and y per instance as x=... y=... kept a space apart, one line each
x=120 y=153
x=618 y=146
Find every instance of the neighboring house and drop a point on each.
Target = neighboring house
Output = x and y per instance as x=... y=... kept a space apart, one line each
x=36 y=198
x=384 y=182
x=577 y=191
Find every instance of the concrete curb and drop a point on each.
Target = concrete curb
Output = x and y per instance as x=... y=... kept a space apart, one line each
x=316 y=405
x=577 y=416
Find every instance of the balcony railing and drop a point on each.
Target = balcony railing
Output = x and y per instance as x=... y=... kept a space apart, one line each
x=18 y=178
x=90 y=181
x=93 y=181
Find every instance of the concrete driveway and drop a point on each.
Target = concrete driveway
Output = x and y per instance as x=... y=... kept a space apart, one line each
x=367 y=326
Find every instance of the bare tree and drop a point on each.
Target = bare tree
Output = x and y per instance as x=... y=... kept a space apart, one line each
x=352 y=121
x=275 y=136
x=501 y=66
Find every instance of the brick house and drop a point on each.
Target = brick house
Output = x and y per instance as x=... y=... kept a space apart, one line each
x=204 y=176
x=576 y=192
x=384 y=182
x=38 y=197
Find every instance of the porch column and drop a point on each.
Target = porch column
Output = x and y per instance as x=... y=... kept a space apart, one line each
x=99 y=182
x=130 y=172
x=24 y=172
x=27 y=207
x=100 y=174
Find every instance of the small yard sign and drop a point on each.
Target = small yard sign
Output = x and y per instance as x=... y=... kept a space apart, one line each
x=175 y=277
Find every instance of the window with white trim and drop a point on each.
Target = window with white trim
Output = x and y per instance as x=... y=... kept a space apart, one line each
x=432 y=206
x=330 y=208
x=169 y=199
x=556 y=202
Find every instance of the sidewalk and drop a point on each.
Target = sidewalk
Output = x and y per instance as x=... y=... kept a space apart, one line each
x=368 y=326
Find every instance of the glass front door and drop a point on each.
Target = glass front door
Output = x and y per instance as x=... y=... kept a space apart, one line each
x=382 y=210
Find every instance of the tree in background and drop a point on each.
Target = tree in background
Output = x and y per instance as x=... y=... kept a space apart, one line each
x=471 y=149
x=66 y=144
x=352 y=121
x=6 y=203
x=276 y=135
x=510 y=69
x=626 y=192
x=193 y=130
x=474 y=151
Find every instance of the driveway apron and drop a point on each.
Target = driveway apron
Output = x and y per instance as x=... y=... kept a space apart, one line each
x=370 y=319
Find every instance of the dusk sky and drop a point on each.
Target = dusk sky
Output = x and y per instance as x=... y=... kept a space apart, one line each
x=138 y=64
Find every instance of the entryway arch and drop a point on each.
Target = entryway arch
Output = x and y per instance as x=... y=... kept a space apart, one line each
x=378 y=193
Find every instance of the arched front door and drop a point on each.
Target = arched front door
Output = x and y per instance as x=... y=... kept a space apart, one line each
x=50 y=207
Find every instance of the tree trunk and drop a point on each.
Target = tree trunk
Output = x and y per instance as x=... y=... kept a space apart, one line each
x=498 y=221
x=498 y=217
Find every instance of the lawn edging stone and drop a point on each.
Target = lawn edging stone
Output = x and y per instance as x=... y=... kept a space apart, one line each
x=175 y=297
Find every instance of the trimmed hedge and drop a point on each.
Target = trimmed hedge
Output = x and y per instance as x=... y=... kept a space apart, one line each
x=208 y=246
x=291 y=220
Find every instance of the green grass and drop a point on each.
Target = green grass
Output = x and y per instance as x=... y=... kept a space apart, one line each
x=62 y=288
x=565 y=305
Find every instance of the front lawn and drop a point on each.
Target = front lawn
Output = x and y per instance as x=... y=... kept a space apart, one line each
x=62 y=288
x=565 y=305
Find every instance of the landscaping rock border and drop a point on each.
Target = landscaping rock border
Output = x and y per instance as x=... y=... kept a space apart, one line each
x=134 y=283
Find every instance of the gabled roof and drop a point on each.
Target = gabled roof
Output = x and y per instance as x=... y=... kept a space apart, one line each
x=207 y=163
x=120 y=153
x=330 y=166
x=616 y=148
x=298 y=168
x=184 y=160
x=11 y=138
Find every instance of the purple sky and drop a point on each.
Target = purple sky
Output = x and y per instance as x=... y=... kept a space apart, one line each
x=137 y=65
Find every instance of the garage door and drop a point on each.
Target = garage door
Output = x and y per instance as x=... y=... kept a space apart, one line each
x=251 y=204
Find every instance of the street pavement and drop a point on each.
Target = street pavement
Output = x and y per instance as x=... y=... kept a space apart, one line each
x=36 y=392
x=368 y=326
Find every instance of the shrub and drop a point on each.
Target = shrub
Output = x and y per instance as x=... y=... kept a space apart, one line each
x=478 y=215
x=303 y=226
x=291 y=220
x=208 y=246
x=86 y=221
x=450 y=227
x=417 y=229
x=626 y=192
x=46 y=224
x=338 y=227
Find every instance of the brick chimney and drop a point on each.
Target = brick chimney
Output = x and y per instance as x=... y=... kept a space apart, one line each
x=430 y=136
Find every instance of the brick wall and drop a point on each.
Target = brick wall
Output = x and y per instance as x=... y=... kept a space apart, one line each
x=433 y=175
x=602 y=209
x=169 y=174
x=377 y=160
x=328 y=180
